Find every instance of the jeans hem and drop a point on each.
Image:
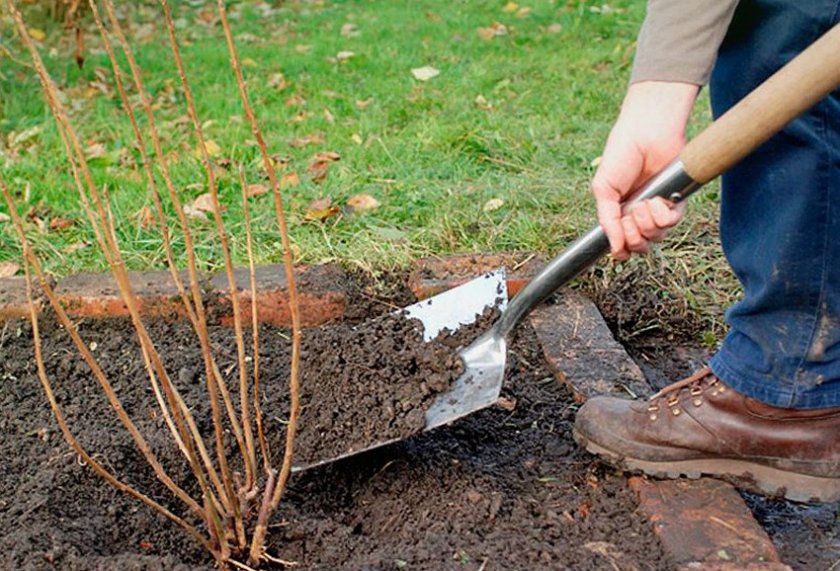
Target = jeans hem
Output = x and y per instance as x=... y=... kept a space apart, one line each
x=771 y=391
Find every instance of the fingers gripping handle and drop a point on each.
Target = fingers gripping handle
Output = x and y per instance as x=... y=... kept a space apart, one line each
x=672 y=183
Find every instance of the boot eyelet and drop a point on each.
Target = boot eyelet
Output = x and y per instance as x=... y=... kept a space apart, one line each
x=653 y=416
x=675 y=411
x=697 y=402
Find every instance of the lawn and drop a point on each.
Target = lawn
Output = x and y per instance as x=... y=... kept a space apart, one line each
x=493 y=153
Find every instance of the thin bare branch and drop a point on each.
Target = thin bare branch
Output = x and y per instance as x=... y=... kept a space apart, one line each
x=185 y=438
x=294 y=392
x=246 y=445
x=255 y=324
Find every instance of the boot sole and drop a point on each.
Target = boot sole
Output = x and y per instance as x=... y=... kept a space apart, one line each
x=753 y=477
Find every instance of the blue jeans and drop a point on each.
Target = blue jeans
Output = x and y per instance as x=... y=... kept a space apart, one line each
x=780 y=220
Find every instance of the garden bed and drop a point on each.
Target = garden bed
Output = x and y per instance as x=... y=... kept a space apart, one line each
x=505 y=488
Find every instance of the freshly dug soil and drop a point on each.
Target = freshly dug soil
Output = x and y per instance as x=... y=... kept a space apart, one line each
x=505 y=488
x=366 y=384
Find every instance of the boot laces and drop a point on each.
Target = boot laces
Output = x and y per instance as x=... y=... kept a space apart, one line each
x=692 y=386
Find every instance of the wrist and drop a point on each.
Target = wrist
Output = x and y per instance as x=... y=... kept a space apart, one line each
x=658 y=109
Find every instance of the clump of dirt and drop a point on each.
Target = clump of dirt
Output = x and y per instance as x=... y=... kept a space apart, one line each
x=366 y=384
x=504 y=488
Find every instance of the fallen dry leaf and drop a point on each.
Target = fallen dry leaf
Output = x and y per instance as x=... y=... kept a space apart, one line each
x=95 y=151
x=289 y=180
x=212 y=148
x=523 y=12
x=145 y=218
x=320 y=210
x=37 y=34
x=482 y=103
x=328 y=116
x=320 y=165
x=75 y=247
x=344 y=55
x=493 y=204
x=362 y=203
x=278 y=81
x=249 y=62
x=194 y=213
x=493 y=30
x=60 y=223
x=204 y=203
x=510 y=7
x=318 y=170
x=330 y=156
x=506 y=403
x=301 y=116
x=8 y=269
x=356 y=138
x=364 y=103
x=201 y=205
x=425 y=73
x=254 y=190
x=313 y=139
x=4 y=217
x=349 y=30
x=554 y=28
x=295 y=101
x=17 y=139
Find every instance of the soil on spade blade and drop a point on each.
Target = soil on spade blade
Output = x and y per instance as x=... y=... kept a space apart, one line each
x=505 y=488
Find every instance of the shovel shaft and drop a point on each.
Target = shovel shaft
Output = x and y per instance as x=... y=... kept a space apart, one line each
x=672 y=183
x=796 y=87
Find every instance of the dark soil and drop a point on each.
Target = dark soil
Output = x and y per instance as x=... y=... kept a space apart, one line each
x=365 y=384
x=505 y=488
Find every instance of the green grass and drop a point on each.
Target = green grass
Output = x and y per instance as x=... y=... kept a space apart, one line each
x=517 y=118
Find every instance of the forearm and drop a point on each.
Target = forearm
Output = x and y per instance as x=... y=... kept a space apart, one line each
x=679 y=40
x=657 y=110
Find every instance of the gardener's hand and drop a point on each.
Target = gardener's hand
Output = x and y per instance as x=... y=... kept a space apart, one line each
x=649 y=133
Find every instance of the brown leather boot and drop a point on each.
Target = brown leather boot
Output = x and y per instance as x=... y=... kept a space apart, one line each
x=699 y=426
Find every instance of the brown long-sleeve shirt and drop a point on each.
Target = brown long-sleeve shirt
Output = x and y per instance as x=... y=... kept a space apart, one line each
x=679 y=40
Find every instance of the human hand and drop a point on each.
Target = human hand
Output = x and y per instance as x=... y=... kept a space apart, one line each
x=649 y=134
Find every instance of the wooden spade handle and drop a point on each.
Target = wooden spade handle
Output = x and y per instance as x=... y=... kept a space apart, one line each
x=796 y=87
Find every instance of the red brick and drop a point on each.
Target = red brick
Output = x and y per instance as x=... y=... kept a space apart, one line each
x=434 y=275
x=320 y=289
x=97 y=295
x=581 y=351
x=13 y=301
x=704 y=524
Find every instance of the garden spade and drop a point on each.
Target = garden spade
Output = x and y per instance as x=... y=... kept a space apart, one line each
x=765 y=111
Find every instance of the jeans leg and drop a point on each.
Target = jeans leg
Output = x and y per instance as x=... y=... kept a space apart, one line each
x=780 y=220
